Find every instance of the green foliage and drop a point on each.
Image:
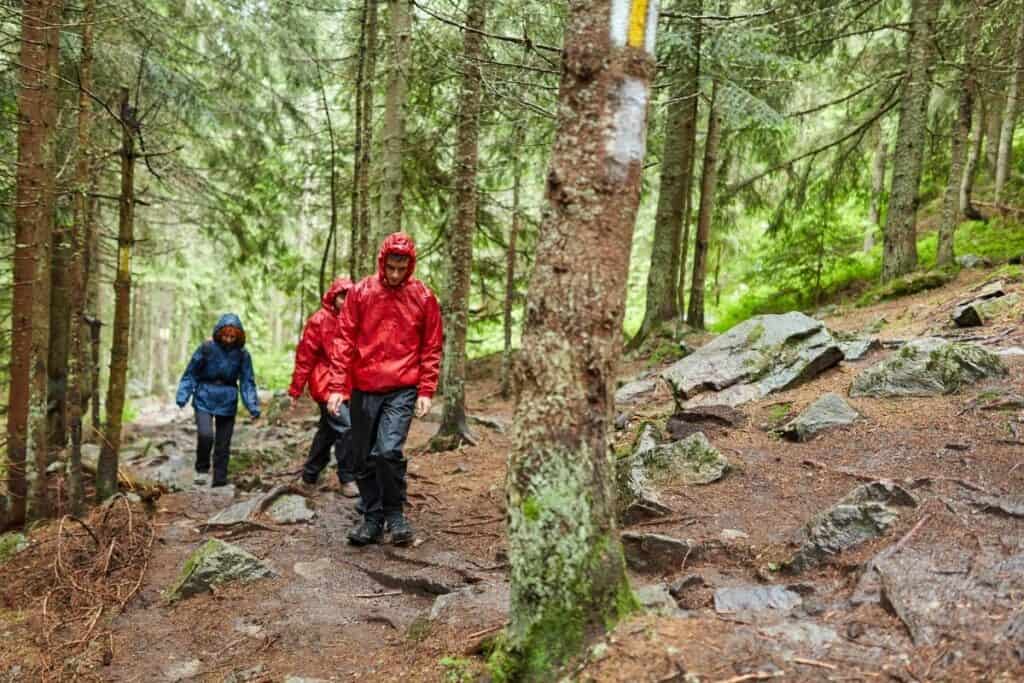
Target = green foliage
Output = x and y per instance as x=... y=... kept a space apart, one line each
x=458 y=670
x=906 y=285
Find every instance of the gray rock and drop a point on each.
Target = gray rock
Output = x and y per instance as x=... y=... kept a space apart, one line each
x=636 y=500
x=183 y=671
x=236 y=514
x=826 y=412
x=290 y=509
x=244 y=675
x=621 y=421
x=974 y=311
x=299 y=679
x=928 y=367
x=11 y=544
x=694 y=460
x=313 y=571
x=755 y=599
x=657 y=598
x=214 y=563
x=656 y=552
x=732 y=536
x=857 y=348
x=802 y=633
x=480 y=605
x=763 y=354
x=867 y=512
x=633 y=392
x=1010 y=351
x=680 y=586
x=973 y=261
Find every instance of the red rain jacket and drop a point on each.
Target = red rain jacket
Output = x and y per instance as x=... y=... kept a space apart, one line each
x=311 y=356
x=390 y=337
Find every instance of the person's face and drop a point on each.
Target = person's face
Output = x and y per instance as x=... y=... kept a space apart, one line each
x=395 y=269
x=339 y=301
x=229 y=335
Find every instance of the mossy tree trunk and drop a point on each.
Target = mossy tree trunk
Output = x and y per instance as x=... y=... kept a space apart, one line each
x=899 y=253
x=974 y=150
x=1010 y=112
x=453 y=430
x=106 y=474
x=367 y=251
x=673 y=197
x=708 y=187
x=355 y=258
x=400 y=30
x=877 y=186
x=567 y=569
x=510 y=258
x=77 y=365
x=960 y=138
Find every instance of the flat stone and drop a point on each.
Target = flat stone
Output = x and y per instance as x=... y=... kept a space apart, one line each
x=656 y=552
x=679 y=586
x=239 y=512
x=857 y=348
x=299 y=679
x=693 y=418
x=973 y=261
x=477 y=606
x=313 y=571
x=657 y=598
x=636 y=499
x=214 y=563
x=755 y=598
x=928 y=367
x=732 y=536
x=290 y=509
x=245 y=675
x=183 y=671
x=826 y=412
x=633 y=392
x=1010 y=351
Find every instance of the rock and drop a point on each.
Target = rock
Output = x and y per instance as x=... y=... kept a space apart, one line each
x=928 y=367
x=755 y=598
x=826 y=412
x=1010 y=351
x=290 y=509
x=1007 y=507
x=246 y=628
x=474 y=607
x=236 y=514
x=298 y=679
x=636 y=500
x=857 y=348
x=973 y=261
x=656 y=552
x=691 y=420
x=763 y=354
x=244 y=675
x=729 y=536
x=802 y=633
x=90 y=455
x=632 y=392
x=183 y=671
x=313 y=571
x=11 y=544
x=657 y=598
x=679 y=586
x=867 y=512
x=490 y=422
x=214 y=563
x=621 y=421
x=694 y=460
x=976 y=310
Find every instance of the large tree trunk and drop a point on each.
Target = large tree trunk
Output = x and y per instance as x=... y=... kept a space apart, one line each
x=510 y=258
x=676 y=184
x=400 y=29
x=453 y=430
x=106 y=476
x=367 y=251
x=32 y=222
x=60 y=342
x=1009 y=121
x=899 y=253
x=332 y=231
x=877 y=187
x=974 y=150
x=960 y=135
x=78 y=367
x=708 y=187
x=567 y=570
x=355 y=258
x=993 y=121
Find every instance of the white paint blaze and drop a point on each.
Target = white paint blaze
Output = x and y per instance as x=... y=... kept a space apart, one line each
x=652 y=26
x=629 y=127
x=619 y=23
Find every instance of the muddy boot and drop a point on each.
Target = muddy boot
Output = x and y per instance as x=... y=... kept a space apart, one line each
x=370 y=531
x=401 y=530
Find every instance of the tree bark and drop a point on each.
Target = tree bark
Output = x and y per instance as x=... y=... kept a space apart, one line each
x=60 y=343
x=877 y=187
x=77 y=366
x=708 y=187
x=567 y=570
x=510 y=259
x=961 y=131
x=663 y=304
x=453 y=430
x=994 y=122
x=971 y=166
x=1009 y=121
x=367 y=251
x=899 y=253
x=32 y=221
x=400 y=29
x=332 y=234
x=106 y=476
x=355 y=258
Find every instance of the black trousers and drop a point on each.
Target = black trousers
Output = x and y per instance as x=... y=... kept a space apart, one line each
x=380 y=424
x=216 y=438
x=333 y=430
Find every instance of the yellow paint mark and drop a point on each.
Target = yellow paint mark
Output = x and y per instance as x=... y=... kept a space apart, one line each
x=124 y=259
x=638 y=23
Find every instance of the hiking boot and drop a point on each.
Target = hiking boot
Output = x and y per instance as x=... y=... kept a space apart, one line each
x=360 y=506
x=370 y=531
x=401 y=530
x=201 y=479
x=349 y=489
x=307 y=487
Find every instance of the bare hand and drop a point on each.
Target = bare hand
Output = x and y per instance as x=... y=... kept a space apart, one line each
x=334 y=402
x=422 y=406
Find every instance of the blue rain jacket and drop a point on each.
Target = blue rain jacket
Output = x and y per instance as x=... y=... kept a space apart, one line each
x=214 y=373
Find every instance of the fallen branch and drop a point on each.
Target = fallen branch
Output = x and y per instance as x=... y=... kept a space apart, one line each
x=482 y=522
x=812 y=662
x=756 y=676
x=376 y=595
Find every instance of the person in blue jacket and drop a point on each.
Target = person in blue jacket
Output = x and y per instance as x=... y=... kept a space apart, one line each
x=212 y=380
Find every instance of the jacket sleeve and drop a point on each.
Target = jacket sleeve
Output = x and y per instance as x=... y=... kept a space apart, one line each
x=305 y=357
x=342 y=349
x=250 y=396
x=431 y=346
x=187 y=384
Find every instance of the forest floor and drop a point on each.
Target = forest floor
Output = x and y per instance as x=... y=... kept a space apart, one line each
x=335 y=612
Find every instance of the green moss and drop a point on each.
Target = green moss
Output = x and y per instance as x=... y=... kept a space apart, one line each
x=906 y=285
x=755 y=334
x=531 y=510
x=10 y=544
x=1009 y=273
x=457 y=670
x=779 y=412
x=194 y=560
x=419 y=629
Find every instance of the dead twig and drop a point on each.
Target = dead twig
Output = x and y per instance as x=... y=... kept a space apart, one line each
x=756 y=676
x=482 y=522
x=813 y=662
x=376 y=595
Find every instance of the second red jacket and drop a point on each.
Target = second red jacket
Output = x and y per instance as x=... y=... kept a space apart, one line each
x=388 y=337
x=312 y=364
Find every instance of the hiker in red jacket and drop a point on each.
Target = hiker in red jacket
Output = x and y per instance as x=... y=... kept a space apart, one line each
x=313 y=367
x=389 y=340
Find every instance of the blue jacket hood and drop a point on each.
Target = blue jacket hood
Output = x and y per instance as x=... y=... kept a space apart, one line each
x=229 y=320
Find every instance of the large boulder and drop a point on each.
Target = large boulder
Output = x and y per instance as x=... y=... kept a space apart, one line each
x=764 y=354
x=928 y=367
x=214 y=563
x=828 y=411
x=693 y=460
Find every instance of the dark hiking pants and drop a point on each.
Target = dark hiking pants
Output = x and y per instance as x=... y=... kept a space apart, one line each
x=217 y=439
x=380 y=423
x=333 y=430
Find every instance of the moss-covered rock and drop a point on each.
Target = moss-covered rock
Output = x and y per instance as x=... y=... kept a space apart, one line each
x=906 y=285
x=693 y=460
x=928 y=367
x=214 y=563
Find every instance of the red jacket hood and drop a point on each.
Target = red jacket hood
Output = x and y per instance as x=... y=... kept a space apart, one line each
x=400 y=244
x=341 y=284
